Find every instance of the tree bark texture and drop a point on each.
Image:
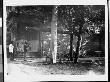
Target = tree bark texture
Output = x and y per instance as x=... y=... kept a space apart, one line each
x=54 y=35
x=71 y=47
x=78 y=45
x=77 y=49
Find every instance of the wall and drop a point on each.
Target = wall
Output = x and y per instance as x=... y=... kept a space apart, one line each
x=30 y=35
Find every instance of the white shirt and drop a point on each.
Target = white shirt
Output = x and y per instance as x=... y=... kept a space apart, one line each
x=11 y=48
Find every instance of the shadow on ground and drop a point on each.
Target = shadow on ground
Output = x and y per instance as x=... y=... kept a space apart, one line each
x=65 y=68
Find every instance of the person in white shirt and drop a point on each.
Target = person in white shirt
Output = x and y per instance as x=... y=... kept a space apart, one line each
x=11 y=47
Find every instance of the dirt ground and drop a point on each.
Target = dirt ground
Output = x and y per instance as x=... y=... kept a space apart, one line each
x=60 y=68
x=33 y=68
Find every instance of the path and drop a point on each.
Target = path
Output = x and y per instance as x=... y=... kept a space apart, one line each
x=30 y=71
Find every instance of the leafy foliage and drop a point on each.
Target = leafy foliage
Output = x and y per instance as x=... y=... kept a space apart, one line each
x=73 y=17
x=62 y=43
x=78 y=20
x=30 y=15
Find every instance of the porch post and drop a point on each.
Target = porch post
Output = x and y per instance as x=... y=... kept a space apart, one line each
x=53 y=45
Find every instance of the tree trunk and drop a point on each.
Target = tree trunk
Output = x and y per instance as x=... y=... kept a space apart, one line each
x=54 y=35
x=41 y=43
x=77 y=49
x=78 y=45
x=71 y=47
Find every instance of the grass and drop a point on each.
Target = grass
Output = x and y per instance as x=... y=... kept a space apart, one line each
x=67 y=68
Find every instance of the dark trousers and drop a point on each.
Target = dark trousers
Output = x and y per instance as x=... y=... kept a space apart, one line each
x=11 y=56
x=25 y=53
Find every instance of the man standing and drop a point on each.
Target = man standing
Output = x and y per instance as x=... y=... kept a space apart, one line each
x=25 y=50
x=11 y=47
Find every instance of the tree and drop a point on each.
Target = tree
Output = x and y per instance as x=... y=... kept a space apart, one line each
x=29 y=16
x=73 y=19
x=54 y=34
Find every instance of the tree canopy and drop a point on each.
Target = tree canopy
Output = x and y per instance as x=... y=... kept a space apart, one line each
x=74 y=19
x=71 y=17
x=30 y=15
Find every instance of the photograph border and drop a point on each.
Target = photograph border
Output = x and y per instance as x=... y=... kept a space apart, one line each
x=59 y=2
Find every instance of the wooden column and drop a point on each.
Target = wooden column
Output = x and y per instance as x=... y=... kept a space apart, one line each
x=53 y=45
